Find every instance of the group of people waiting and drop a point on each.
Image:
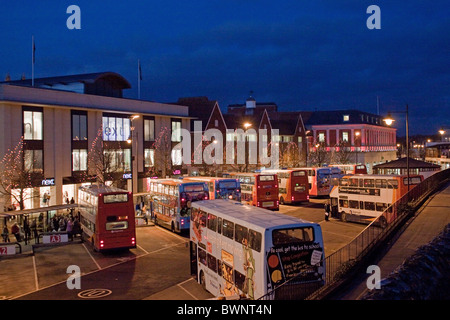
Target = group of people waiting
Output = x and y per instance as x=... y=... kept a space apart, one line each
x=59 y=223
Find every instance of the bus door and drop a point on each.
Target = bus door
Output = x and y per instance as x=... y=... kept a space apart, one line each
x=193 y=254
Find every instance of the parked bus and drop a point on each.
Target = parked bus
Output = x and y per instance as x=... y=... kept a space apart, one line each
x=351 y=168
x=258 y=189
x=221 y=188
x=107 y=217
x=293 y=185
x=242 y=250
x=320 y=179
x=172 y=199
x=363 y=198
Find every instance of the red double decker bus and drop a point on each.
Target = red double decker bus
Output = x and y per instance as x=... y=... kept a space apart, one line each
x=107 y=217
x=258 y=189
x=293 y=185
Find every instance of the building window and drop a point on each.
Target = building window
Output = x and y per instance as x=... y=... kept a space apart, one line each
x=32 y=125
x=149 y=158
x=117 y=160
x=79 y=160
x=346 y=117
x=116 y=128
x=176 y=130
x=149 y=130
x=176 y=157
x=216 y=123
x=79 y=127
x=321 y=137
x=345 y=136
x=33 y=160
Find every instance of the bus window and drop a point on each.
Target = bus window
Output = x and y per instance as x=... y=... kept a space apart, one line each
x=219 y=225
x=412 y=180
x=381 y=206
x=115 y=198
x=202 y=255
x=353 y=182
x=343 y=203
x=287 y=236
x=369 y=183
x=344 y=182
x=212 y=222
x=354 y=204
x=228 y=229
x=241 y=234
x=212 y=262
x=239 y=279
x=369 y=205
x=266 y=178
x=392 y=184
x=381 y=183
x=254 y=240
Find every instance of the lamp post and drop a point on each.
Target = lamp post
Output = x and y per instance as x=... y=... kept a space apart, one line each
x=134 y=169
x=389 y=121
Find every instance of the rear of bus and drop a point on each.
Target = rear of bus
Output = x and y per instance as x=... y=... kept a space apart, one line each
x=228 y=189
x=323 y=180
x=189 y=192
x=115 y=227
x=295 y=253
x=266 y=191
x=299 y=186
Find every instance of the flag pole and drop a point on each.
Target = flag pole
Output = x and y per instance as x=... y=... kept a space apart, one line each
x=32 y=60
x=139 y=79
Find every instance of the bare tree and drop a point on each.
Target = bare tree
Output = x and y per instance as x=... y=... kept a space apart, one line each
x=16 y=177
x=319 y=154
x=343 y=153
x=163 y=152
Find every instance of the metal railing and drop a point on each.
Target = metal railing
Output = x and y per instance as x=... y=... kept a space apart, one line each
x=341 y=262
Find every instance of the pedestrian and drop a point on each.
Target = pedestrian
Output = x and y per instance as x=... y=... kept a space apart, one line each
x=327 y=211
x=69 y=228
x=26 y=229
x=33 y=227
x=76 y=229
x=15 y=230
x=5 y=234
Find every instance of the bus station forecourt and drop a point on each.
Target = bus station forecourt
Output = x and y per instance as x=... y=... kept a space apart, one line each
x=429 y=221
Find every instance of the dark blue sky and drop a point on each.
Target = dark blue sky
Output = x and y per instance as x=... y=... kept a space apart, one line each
x=302 y=55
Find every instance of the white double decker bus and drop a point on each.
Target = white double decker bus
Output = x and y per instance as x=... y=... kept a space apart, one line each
x=242 y=250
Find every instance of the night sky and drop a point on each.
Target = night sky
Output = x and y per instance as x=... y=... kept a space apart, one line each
x=302 y=55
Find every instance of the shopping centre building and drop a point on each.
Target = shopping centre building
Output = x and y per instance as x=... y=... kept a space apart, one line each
x=52 y=135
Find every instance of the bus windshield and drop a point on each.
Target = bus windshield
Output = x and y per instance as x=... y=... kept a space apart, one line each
x=193 y=188
x=115 y=198
x=227 y=184
x=291 y=236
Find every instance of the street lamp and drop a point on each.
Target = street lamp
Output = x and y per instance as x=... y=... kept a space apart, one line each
x=247 y=125
x=389 y=121
x=134 y=170
x=357 y=134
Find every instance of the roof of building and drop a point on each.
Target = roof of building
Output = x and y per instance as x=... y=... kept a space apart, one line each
x=200 y=108
x=328 y=117
x=401 y=164
x=76 y=78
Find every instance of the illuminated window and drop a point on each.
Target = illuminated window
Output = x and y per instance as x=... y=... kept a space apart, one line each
x=32 y=125
x=346 y=117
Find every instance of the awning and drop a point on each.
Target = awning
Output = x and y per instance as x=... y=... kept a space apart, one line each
x=8 y=214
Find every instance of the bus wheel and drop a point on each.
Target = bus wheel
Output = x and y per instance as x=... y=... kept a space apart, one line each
x=202 y=280
x=281 y=200
x=172 y=227
x=156 y=221
x=343 y=216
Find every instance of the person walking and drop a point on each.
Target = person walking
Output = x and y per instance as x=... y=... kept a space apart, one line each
x=5 y=234
x=15 y=230
x=327 y=211
x=69 y=228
